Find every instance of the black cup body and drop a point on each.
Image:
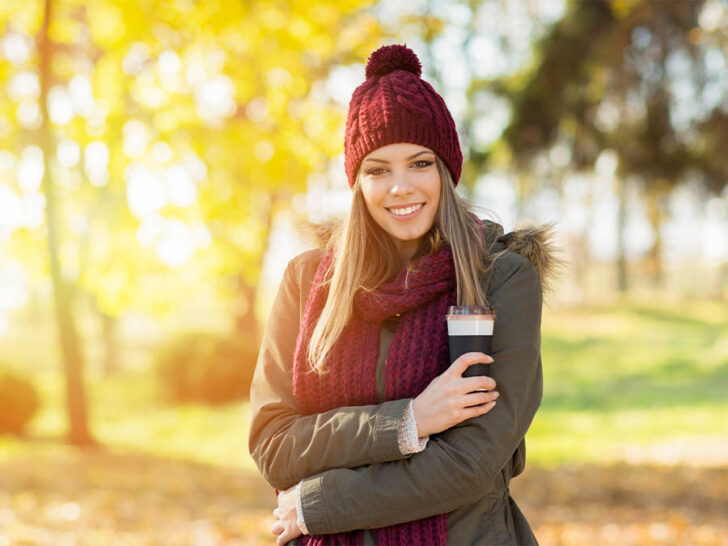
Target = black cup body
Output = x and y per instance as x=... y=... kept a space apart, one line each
x=459 y=345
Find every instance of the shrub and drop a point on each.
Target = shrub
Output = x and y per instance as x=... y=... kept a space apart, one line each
x=206 y=367
x=18 y=402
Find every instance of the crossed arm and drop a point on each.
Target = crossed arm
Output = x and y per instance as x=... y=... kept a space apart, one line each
x=288 y=446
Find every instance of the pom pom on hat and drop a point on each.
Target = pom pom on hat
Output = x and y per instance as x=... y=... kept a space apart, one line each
x=390 y=58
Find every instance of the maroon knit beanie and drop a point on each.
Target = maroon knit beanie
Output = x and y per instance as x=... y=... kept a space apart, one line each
x=395 y=105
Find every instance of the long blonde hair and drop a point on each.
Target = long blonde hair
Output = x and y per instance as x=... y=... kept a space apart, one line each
x=364 y=257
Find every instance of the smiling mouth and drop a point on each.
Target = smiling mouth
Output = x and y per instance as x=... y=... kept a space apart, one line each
x=405 y=211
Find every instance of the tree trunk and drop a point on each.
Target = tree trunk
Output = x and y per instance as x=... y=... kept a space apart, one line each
x=111 y=349
x=522 y=193
x=654 y=213
x=721 y=281
x=621 y=261
x=579 y=267
x=246 y=322
x=72 y=358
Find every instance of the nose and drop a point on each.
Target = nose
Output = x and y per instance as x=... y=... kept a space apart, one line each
x=401 y=185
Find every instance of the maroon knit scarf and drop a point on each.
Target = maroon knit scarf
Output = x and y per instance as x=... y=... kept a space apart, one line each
x=418 y=353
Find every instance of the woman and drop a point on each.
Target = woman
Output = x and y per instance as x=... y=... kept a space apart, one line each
x=358 y=417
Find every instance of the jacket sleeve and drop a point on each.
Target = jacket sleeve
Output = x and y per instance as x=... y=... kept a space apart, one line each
x=288 y=446
x=460 y=464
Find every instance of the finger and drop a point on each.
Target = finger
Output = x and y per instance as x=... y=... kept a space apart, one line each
x=468 y=359
x=277 y=527
x=276 y=513
x=477 y=411
x=476 y=383
x=283 y=538
x=479 y=397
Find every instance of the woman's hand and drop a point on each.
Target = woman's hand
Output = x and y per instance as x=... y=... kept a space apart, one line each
x=286 y=524
x=449 y=398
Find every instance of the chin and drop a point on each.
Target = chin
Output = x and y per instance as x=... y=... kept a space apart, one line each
x=408 y=235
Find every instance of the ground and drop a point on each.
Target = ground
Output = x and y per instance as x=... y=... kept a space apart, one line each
x=630 y=445
x=61 y=495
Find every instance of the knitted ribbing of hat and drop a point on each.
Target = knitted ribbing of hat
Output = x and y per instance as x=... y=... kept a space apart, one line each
x=418 y=353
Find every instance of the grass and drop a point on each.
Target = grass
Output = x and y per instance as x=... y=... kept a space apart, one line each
x=615 y=378
x=128 y=414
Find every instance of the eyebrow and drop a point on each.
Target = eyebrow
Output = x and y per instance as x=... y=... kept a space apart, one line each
x=410 y=157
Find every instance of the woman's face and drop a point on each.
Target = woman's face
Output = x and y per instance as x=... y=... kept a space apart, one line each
x=401 y=187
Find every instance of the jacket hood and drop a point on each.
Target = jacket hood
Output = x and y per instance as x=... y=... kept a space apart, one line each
x=534 y=242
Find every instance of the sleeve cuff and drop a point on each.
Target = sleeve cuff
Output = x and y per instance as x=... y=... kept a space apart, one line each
x=386 y=430
x=299 y=510
x=313 y=506
x=407 y=439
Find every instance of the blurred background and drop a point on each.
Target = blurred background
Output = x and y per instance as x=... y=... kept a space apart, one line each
x=159 y=161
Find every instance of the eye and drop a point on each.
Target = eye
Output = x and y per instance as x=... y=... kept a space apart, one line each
x=423 y=163
x=375 y=171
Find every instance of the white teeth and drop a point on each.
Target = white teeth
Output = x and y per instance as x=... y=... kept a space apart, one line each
x=408 y=210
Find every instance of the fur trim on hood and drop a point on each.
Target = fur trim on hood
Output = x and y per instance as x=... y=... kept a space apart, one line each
x=535 y=242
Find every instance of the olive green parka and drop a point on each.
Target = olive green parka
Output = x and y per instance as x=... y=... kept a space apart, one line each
x=354 y=476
